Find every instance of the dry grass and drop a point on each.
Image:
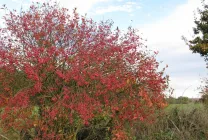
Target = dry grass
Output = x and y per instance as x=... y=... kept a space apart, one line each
x=180 y=122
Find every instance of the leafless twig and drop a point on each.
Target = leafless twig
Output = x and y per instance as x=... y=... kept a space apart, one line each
x=4 y=137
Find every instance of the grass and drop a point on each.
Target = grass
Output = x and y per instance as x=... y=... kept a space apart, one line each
x=189 y=106
x=179 y=122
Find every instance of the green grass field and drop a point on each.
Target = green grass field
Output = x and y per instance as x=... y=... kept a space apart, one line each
x=189 y=106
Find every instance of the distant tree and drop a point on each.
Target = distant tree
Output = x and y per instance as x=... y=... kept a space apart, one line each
x=199 y=44
x=183 y=100
x=179 y=100
x=171 y=100
x=204 y=98
x=204 y=93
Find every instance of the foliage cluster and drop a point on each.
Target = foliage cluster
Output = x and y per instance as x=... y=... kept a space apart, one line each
x=60 y=73
x=200 y=42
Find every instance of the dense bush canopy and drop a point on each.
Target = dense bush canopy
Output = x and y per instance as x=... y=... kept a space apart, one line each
x=59 y=71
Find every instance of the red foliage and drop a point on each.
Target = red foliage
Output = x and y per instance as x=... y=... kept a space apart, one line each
x=72 y=67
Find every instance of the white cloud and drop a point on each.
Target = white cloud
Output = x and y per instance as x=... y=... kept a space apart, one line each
x=131 y=3
x=124 y=8
x=39 y=1
x=170 y=29
x=127 y=7
x=83 y=6
x=149 y=15
x=165 y=36
x=16 y=1
x=186 y=87
x=131 y=15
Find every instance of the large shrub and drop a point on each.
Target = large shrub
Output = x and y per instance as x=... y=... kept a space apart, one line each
x=59 y=72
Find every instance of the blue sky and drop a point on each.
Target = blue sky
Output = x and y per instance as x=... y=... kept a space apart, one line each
x=161 y=22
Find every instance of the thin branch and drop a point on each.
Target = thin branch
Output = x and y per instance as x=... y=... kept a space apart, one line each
x=4 y=137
